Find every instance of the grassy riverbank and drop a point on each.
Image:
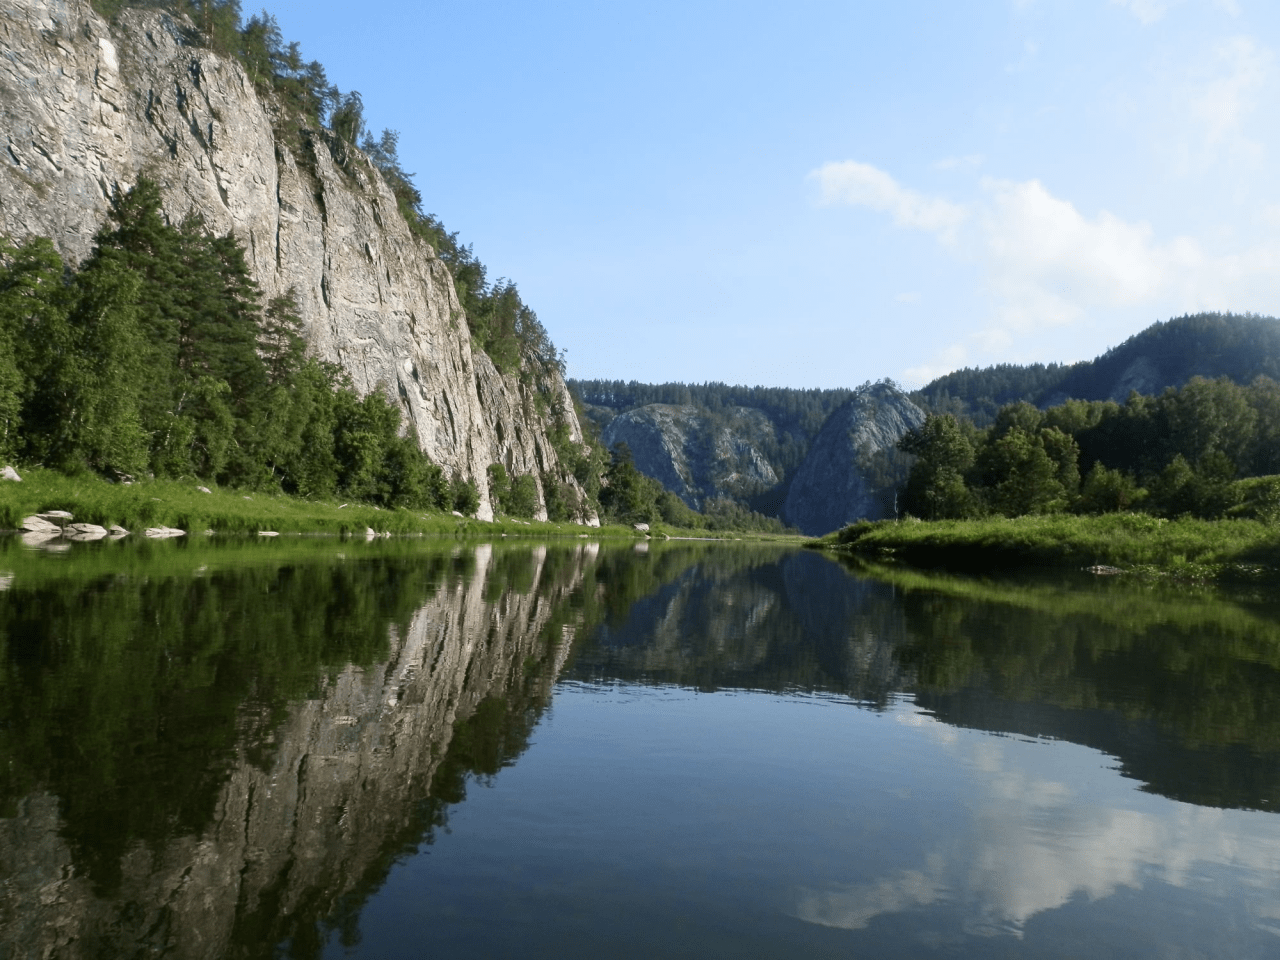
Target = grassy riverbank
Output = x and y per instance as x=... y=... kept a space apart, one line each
x=171 y=503
x=1197 y=549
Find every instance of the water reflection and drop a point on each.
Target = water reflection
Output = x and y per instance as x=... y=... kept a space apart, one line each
x=206 y=763
x=229 y=750
x=1034 y=841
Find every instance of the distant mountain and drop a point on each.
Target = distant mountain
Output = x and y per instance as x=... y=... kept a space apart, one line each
x=1239 y=346
x=695 y=455
x=712 y=440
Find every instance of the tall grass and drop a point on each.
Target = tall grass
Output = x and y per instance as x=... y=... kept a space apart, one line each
x=1195 y=548
x=173 y=503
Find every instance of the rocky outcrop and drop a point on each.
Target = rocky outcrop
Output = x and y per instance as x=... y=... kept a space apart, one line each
x=838 y=482
x=694 y=455
x=85 y=107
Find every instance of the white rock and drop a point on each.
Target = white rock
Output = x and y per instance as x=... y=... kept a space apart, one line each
x=204 y=489
x=8 y=473
x=118 y=531
x=40 y=525
x=84 y=531
x=642 y=527
x=162 y=533
x=268 y=533
x=56 y=515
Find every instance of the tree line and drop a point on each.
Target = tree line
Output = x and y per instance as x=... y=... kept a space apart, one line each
x=1168 y=354
x=1189 y=451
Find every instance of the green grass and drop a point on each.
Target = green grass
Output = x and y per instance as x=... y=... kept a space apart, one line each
x=174 y=503
x=1195 y=549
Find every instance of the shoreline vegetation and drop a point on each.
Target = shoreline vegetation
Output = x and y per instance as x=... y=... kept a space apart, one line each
x=1226 y=550
x=182 y=505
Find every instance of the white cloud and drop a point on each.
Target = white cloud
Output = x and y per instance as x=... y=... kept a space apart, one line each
x=1033 y=844
x=862 y=185
x=1044 y=263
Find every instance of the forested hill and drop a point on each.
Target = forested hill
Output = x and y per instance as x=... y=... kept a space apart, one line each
x=1238 y=346
x=733 y=443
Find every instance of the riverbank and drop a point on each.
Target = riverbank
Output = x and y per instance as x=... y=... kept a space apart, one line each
x=1125 y=542
x=183 y=505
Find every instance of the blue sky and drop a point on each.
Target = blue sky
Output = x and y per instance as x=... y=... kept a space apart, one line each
x=831 y=193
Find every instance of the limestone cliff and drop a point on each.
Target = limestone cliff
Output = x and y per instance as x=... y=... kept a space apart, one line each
x=693 y=455
x=87 y=106
x=839 y=482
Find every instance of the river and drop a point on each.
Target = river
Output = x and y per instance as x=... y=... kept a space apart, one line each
x=340 y=748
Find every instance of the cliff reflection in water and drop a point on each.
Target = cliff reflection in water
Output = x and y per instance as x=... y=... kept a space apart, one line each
x=207 y=765
x=215 y=751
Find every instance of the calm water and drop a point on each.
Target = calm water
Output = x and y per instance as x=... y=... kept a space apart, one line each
x=350 y=749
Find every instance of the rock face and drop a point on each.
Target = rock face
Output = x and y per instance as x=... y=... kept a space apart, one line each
x=834 y=485
x=86 y=106
x=694 y=456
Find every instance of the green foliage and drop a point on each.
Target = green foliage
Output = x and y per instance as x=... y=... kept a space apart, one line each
x=1240 y=347
x=1186 y=448
x=935 y=487
x=523 y=499
x=158 y=355
x=1191 y=547
x=627 y=495
x=1107 y=491
x=463 y=495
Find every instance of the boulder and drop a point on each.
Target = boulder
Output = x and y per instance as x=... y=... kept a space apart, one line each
x=8 y=473
x=163 y=533
x=84 y=531
x=204 y=489
x=117 y=531
x=642 y=527
x=36 y=524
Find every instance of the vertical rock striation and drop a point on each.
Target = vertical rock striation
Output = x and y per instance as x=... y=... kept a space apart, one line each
x=692 y=455
x=87 y=106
